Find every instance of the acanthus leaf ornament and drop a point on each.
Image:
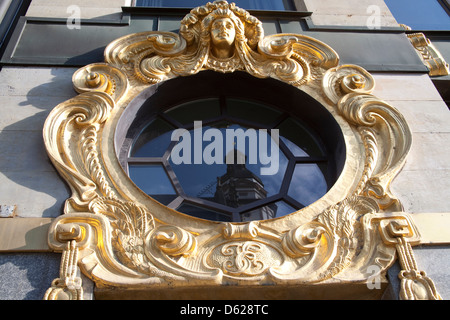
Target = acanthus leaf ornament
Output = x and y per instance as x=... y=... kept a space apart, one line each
x=131 y=242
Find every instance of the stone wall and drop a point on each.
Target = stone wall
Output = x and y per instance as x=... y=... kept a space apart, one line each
x=350 y=13
x=27 y=177
x=423 y=184
x=88 y=9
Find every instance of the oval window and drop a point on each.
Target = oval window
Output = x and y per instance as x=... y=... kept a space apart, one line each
x=227 y=155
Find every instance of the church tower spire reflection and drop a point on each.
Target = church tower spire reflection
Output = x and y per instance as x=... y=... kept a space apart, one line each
x=239 y=186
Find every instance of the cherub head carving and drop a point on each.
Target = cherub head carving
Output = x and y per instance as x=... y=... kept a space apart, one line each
x=223 y=28
x=223 y=34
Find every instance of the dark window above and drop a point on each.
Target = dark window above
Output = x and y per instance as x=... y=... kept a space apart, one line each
x=279 y=5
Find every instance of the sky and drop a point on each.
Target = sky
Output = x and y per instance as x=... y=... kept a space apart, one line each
x=420 y=14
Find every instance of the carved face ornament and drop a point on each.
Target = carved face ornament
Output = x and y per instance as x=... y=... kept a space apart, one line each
x=223 y=32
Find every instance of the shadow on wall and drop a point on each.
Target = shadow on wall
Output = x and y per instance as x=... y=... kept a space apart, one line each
x=27 y=176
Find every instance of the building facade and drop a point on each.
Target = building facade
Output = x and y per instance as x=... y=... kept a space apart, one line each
x=352 y=96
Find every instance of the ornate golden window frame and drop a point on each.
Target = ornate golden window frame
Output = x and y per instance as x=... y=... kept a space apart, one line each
x=123 y=239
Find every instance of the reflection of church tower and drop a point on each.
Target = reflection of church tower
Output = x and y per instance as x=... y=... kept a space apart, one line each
x=239 y=186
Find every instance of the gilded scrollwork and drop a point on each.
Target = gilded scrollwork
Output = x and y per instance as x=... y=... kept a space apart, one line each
x=345 y=79
x=241 y=231
x=78 y=119
x=173 y=241
x=156 y=56
x=128 y=243
x=100 y=77
x=393 y=136
x=303 y=240
x=342 y=221
x=429 y=54
x=379 y=125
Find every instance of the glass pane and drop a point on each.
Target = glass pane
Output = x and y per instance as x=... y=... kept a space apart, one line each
x=245 y=4
x=420 y=14
x=154 y=140
x=199 y=110
x=296 y=150
x=226 y=165
x=153 y=180
x=308 y=184
x=203 y=213
x=284 y=209
x=298 y=139
x=252 y=111
x=271 y=211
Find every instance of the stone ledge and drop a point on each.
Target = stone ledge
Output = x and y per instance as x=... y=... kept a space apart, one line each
x=30 y=234
x=433 y=227
x=24 y=234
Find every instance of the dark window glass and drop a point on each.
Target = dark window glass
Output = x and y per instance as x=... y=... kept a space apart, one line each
x=203 y=213
x=10 y=13
x=152 y=179
x=189 y=112
x=274 y=210
x=299 y=140
x=154 y=140
x=245 y=4
x=421 y=14
x=229 y=159
x=308 y=183
x=252 y=111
